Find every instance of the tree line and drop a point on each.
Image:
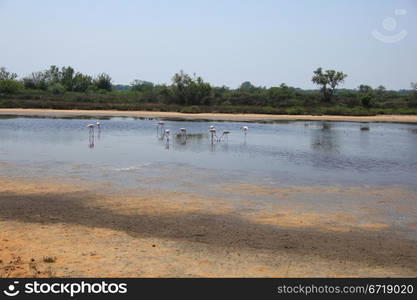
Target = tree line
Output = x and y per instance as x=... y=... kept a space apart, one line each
x=191 y=90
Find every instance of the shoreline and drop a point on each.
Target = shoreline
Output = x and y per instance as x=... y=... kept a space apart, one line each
x=207 y=116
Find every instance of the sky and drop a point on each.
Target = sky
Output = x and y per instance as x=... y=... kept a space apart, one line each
x=267 y=42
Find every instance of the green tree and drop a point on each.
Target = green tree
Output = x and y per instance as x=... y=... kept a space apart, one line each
x=279 y=94
x=365 y=89
x=366 y=100
x=66 y=76
x=103 y=82
x=57 y=89
x=141 y=86
x=81 y=82
x=189 y=90
x=53 y=75
x=36 y=80
x=328 y=81
x=414 y=90
x=381 y=90
x=4 y=75
x=9 y=86
x=247 y=86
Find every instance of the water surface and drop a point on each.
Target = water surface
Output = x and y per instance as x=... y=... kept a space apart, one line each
x=127 y=150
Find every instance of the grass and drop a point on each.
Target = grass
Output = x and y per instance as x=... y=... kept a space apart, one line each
x=130 y=102
x=49 y=259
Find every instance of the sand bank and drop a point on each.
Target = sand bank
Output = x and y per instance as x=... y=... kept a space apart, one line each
x=207 y=116
x=175 y=234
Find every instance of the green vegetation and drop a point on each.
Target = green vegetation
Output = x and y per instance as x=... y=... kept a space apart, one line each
x=328 y=81
x=64 y=88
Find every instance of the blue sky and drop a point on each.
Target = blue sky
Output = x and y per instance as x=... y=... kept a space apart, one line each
x=226 y=42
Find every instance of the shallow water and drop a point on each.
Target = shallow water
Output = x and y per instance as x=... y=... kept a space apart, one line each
x=330 y=168
x=128 y=151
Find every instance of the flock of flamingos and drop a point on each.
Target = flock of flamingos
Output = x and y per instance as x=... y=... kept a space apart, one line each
x=164 y=133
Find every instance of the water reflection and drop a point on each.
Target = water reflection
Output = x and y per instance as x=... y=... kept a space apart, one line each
x=91 y=141
x=324 y=139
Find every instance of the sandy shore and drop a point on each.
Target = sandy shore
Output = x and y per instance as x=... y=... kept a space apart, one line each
x=208 y=116
x=87 y=232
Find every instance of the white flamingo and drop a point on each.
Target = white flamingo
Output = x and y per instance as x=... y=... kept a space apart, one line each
x=244 y=129
x=160 y=128
x=91 y=128
x=98 y=126
x=212 y=130
x=90 y=135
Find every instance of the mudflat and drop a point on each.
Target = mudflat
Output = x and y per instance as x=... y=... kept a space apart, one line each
x=208 y=116
x=66 y=228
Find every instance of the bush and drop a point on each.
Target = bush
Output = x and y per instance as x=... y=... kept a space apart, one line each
x=366 y=101
x=103 y=82
x=191 y=110
x=10 y=86
x=57 y=89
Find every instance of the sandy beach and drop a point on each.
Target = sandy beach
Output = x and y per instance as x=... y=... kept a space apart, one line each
x=53 y=228
x=206 y=116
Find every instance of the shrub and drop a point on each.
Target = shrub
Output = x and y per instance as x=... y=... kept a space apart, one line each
x=103 y=82
x=10 y=86
x=366 y=101
x=57 y=89
x=191 y=109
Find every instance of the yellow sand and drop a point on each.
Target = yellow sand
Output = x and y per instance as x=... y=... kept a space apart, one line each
x=213 y=116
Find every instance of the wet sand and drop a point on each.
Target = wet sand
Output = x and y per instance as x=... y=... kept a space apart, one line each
x=207 y=116
x=89 y=231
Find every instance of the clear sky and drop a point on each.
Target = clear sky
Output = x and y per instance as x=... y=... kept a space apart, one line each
x=225 y=41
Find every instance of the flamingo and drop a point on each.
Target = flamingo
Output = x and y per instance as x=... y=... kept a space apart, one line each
x=183 y=136
x=212 y=130
x=91 y=135
x=225 y=134
x=244 y=129
x=91 y=128
x=167 y=132
x=160 y=128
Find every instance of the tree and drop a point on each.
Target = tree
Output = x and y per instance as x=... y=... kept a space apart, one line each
x=414 y=89
x=9 y=86
x=81 y=82
x=53 y=75
x=366 y=100
x=381 y=90
x=281 y=93
x=246 y=85
x=365 y=89
x=103 y=82
x=328 y=81
x=4 y=75
x=66 y=77
x=57 y=89
x=141 y=86
x=190 y=90
x=36 y=80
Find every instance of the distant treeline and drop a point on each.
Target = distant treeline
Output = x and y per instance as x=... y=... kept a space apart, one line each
x=64 y=88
